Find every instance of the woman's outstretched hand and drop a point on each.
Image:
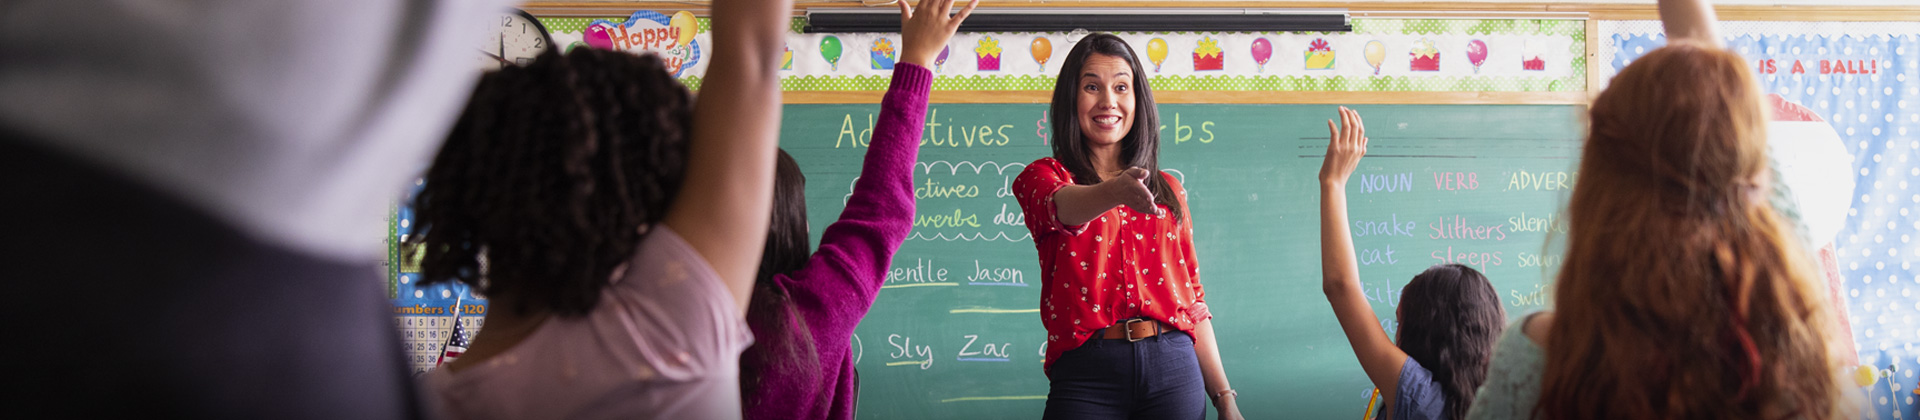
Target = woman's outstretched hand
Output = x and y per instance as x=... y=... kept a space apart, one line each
x=1130 y=189
x=925 y=32
x=1347 y=144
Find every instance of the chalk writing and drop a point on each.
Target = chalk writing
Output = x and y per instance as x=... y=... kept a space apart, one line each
x=1536 y=260
x=903 y=348
x=1389 y=227
x=1373 y=183
x=1455 y=181
x=1183 y=133
x=988 y=352
x=1523 y=180
x=1551 y=223
x=1481 y=259
x=1541 y=296
x=1460 y=229
x=957 y=219
x=996 y=276
x=1371 y=256
x=922 y=271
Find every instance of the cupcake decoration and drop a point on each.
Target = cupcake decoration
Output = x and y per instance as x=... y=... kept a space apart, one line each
x=1530 y=57
x=883 y=54
x=1425 y=56
x=987 y=54
x=1207 y=55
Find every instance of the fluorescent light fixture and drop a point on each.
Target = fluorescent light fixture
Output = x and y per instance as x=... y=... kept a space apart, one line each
x=1131 y=19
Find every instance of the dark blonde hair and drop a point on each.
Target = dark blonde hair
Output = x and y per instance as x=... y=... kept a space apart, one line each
x=1683 y=295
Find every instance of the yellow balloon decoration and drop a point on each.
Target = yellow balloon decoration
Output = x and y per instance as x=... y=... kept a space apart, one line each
x=1865 y=375
x=688 y=26
x=1157 y=52
x=1376 y=53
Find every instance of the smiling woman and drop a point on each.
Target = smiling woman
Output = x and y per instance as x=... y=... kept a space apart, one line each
x=1102 y=216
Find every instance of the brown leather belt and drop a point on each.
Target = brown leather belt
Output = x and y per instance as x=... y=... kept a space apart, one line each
x=1135 y=329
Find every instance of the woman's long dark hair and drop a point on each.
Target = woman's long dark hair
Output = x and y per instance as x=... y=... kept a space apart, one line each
x=1140 y=148
x=782 y=341
x=549 y=175
x=1450 y=317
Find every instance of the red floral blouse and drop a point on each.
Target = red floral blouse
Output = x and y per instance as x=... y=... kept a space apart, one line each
x=1121 y=265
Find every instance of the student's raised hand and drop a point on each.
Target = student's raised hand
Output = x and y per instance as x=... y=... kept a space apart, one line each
x=925 y=32
x=1130 y=189
x=1347 y=144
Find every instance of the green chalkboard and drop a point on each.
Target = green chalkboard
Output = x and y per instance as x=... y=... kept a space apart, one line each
x=956 y=332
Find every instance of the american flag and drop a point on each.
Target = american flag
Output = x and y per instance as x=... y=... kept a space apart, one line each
x=456 y=344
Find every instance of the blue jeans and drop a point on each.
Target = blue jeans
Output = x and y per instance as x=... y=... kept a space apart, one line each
x=1155 y=378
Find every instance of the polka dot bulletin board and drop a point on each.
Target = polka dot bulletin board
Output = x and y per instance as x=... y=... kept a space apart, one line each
x=1863 y=78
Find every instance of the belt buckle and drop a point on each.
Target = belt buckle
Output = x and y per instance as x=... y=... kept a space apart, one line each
x=1129 y=326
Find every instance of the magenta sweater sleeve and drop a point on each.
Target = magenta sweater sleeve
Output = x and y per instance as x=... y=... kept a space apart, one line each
x=837 y=286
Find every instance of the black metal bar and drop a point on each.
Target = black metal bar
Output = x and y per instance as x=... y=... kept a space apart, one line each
x=828 y=22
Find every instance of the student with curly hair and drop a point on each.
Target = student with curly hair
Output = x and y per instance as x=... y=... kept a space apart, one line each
x=614 y=224
x=806 y=304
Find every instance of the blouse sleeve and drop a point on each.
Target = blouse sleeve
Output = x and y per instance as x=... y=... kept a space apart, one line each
x=1185 y=232
x=1034 y=189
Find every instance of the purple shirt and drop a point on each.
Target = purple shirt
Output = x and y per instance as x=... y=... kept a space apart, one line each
x=838 y=284
x=663 y=342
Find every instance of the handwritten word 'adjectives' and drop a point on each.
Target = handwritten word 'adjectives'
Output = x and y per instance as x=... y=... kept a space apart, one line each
x=1183 y=133
x=1460 y=229
x=1389 y=227
x=1480 y=259
x=984 y=135
x=1456 y=181
x=953 y=135
x=1374 y=183
x=989 y=352
x=908 y=354
x=1523 y=180
x=922 y=271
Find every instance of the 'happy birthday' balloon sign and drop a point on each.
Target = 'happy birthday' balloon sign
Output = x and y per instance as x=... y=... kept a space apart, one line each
x=671 y=38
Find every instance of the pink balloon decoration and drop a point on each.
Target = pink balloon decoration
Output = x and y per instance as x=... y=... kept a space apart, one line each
x=597 y=37
x=1262 y=51
x=1476 y=54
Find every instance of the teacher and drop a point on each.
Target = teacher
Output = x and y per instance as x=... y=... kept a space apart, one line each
x=1128 y=331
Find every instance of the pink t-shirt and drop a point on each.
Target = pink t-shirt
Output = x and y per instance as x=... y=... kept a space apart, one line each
x=664 y=342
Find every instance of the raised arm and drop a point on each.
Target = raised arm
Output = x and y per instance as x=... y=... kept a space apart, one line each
x=839 y=283
x=1339 y=270
x=1690 y=21
x=722 y=209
